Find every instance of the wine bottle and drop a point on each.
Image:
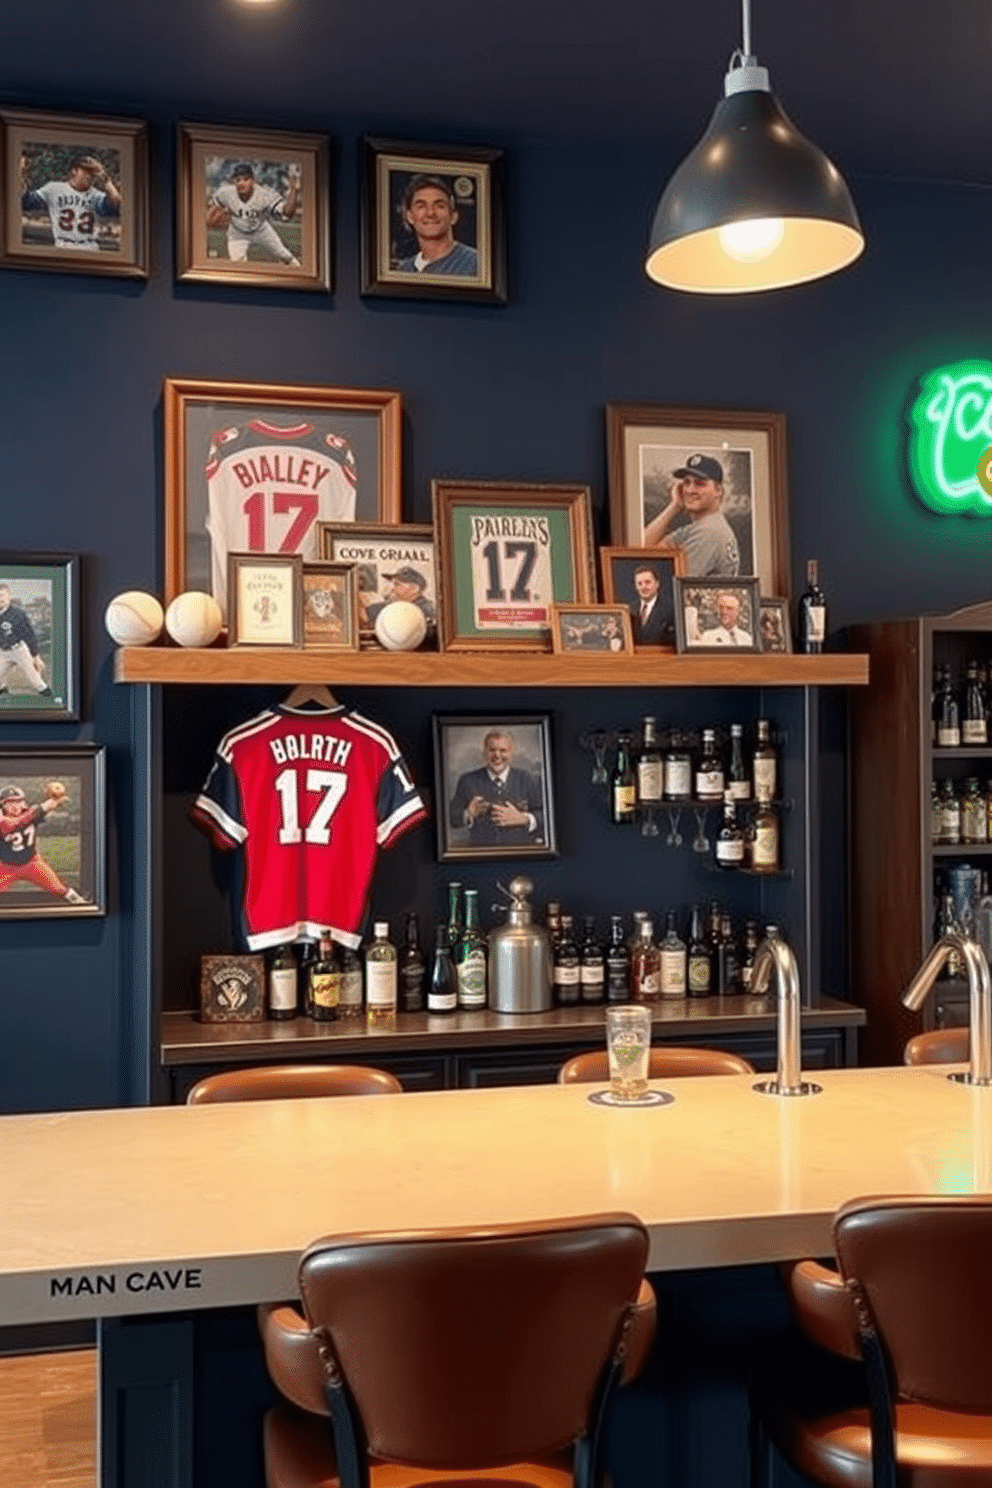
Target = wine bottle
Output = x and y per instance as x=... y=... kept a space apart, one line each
x=412 y=967
x=738 y=781
x=812 y=612
x=282 y=987
x=566 y=971
x=700 y=964
x=592 y=964
x=617 y=963
x=949 y=718
x=974 y=726
x=624 y=785
x=442 y=991
x=709 y=771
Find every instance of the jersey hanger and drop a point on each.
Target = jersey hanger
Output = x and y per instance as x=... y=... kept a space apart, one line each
x=310 y=692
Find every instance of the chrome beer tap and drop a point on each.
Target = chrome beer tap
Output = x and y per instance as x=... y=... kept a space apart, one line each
x=979 y=994
x=774 y=954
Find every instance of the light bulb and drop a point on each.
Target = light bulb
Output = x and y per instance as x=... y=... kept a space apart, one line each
x=748 y=242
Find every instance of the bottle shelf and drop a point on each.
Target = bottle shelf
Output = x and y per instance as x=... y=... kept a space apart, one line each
x=962 y=849
x=963 y=751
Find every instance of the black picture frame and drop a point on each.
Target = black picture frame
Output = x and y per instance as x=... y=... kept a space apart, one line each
x=701 y=624
x=46 y=860
x=475 y=268
x=461 y=777
x=44 y=590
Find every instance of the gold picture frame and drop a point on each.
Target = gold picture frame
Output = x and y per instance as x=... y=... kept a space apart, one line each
x=265 y=600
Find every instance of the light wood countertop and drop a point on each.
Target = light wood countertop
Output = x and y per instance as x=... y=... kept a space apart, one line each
x=167 y=1208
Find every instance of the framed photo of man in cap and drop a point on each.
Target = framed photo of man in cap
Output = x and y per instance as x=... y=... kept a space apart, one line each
x=391 y=563
x=711 y=482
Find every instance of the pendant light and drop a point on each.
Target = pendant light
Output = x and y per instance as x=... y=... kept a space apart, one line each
x=755 y=205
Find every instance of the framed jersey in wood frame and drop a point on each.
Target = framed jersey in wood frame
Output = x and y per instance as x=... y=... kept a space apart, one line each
x=53 y=831
x=39 y=637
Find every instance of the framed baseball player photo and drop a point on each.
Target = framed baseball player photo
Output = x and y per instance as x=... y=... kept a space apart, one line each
x=711 y=481
x=432 y=222
x=253 y=207
x=75 y=193
x=256 y=467
x=582 y=629
x=493 y=787
x=391 y=563
x=39 y=637
x=52 y=831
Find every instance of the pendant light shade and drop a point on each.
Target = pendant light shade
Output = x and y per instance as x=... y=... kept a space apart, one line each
x=755 y=205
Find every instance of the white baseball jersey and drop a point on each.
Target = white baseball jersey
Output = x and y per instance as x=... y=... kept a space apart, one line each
x=268 y=487
x=248 y=216
x=73 y=214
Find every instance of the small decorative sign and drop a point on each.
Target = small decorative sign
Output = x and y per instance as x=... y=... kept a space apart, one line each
x=950 y=434
x=232 y=989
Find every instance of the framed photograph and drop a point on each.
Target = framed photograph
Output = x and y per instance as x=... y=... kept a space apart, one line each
x=711 y=480
x=53 y=831
x=775 y=626
x=390 y=563
x=39 y=637
x=265 y=596
x=508 y=552
x=330 y=607
x=643 y=581
x=604 y=627
x=253 y=207
x=717 y=615
x=254 y=467
x=432 y=222
x=493 y=790
x=75 y=194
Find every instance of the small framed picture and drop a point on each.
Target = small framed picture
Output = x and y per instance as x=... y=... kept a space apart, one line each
x=775 y=626
x=330 y=607
x=604 y=627
x=232 y=989
x=39 y=637
x=642 y=580
x=75 y=194
x=717 y=615
x=53 y=826
x=391 y=562
x=265 y=593
x=492 y=777
x=253 y=207
x=432 y=222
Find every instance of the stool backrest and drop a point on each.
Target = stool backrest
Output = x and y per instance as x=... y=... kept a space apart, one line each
x=940 y=1046
x=292 y=1082
x=475 y=1348
x=923 y=1268
x=665 y=1063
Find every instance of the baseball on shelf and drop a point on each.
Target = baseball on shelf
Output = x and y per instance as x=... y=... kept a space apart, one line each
x=194 y=619
x=133 y=618
x=400 y=626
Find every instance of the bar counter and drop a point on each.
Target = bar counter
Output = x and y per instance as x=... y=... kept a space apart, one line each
x=157 y=1209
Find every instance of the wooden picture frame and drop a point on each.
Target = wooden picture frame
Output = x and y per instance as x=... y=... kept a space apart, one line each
x=508 y=551
x=233 y=450
x=477 y=818
x=585 y=629
x=623 y=569
x=381 y=553
x=75 y=194
x=39 y=637
x=330 y=607
x=717 y=616
x=463 y=182
x=265 y=600
x=746 y=530
x=775 y=625
x=54 y=816
x=253 y=207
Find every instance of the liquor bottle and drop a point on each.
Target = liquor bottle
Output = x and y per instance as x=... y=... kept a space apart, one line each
x=728 y=976
x=709 y=771
x=471 y=957
x=949 y=717
x=645 y=967
x=672 y=952
x=552 y=922
x=623 y=793
x=650 y=770
x=308 y=955
x=678 y=770
x=282 y=985
x=351 y=1004
x=738 y=781
x=974 y=818
x=713 y=932
x=935 y=694
x=566 y=971
x=765 y=763
x=730 y=838
x=592 y=964
x=442 y=990
x=936 y=815
x=751 y=943
x=812 y=611
x=412 y=967
x=950 y=811
x=974 y=724
x=947 y=922
x=637 y=920
x=454 y=912
x=617 y=963
x=325 y=982
x=764 y=840
x=380 y=977
x=700 y=966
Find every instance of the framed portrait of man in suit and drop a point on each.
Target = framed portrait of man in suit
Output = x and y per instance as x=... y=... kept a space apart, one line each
x=493 y=787
x=643 y=580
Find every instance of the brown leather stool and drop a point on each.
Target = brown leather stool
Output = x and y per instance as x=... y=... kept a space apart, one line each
x=442 y=1356
x=666 y=1061
x=913 y=1300
x=941 y=1046
x=292 y=1082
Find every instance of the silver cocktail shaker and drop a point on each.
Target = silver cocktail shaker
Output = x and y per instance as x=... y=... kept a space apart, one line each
x=519 y=958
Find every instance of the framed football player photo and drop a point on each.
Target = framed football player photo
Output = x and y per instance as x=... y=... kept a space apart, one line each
x=432 y=222
x=256 y=467
x=52 y=831
x=253 y=207
x=494 y=795
x=39 y=637
x=391 y=563
x=75 y=193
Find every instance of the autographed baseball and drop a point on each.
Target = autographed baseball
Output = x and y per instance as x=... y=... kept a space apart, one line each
x=400 y=626
x=134 y=618
x=194 y=619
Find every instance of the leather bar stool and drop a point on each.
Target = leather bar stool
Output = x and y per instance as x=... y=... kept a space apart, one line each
x=454 y=1356
x=912 y=1299
x=292 y=1082
x=665 y=1063
x=941 y=1046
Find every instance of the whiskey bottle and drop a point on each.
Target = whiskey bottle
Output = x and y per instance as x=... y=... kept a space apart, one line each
x=325 y=982
x=764 y=840
x=351 y=1004
x=566 y=970
x=442 y=991
x=949 y=717
x=624 y=786
x=974 y=725
x=650 y=771
x=592 y=964
x=709 y=771
x=637 y=920
x=728 y=976
x=380 y=978
x=738 y=781
x=672 y=953
x=700 y=966
x=730 y=839
x=282 y=984
x=765 y=763
x=471 y=957
x=678 y=770
x=308 y=955
x=812 y=630
x=412 y=968
x=617 y=963
x=645 y=966
x=751 y=943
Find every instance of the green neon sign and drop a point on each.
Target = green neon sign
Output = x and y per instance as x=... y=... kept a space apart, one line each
x=950 y=430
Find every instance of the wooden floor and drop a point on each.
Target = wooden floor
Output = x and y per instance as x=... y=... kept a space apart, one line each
x=48 y=1420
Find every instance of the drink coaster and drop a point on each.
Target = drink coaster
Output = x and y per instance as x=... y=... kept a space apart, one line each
x=651 y=1098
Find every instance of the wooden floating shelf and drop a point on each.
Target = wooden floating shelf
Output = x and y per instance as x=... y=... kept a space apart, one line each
x=484 y=668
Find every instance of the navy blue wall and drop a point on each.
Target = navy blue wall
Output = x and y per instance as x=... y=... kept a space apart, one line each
x=497 y=393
